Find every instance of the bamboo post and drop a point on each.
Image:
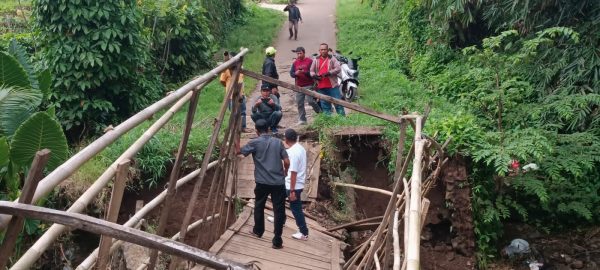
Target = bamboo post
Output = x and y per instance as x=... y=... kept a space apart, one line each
x=113 y=211
x=139 y=215
x=406 y=200
x=99 y=226
x=16 y=223
x=399 y=162
x=396 y=265
x=34 y=252
x=164 y=213
x=413 y=262
x=213 y=140
x=70 y=166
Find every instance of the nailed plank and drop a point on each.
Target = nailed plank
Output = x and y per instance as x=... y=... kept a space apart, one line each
x=269 y=254
x=265 y=264
x=335 y=255
x=302 y=250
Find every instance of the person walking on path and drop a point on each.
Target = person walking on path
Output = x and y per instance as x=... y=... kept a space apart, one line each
x=300 y=71
x=269 y=69
x=271 y=164
x=294 y=181
x=325 y=70
x=267 y=107
x=225 y=80
x=294 y=17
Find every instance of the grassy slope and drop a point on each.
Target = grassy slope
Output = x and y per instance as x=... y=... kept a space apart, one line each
x=366 y=33
x=256 y=32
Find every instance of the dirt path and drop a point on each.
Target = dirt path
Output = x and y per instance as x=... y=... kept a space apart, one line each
x=318 y=27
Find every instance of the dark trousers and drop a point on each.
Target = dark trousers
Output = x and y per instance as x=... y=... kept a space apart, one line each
x=271 y=118
x=261 y=192
x=296 y=207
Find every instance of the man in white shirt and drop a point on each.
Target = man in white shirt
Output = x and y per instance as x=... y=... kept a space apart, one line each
x=294 y=181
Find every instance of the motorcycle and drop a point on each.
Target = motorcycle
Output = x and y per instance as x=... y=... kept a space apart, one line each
x=348 y=77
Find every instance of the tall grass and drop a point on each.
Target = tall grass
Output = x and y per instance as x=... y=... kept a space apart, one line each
x=255 y=32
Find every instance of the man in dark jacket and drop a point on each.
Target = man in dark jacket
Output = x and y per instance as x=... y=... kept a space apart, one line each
x=271 y=164
x=267 y=107
x=269 y=69
x=294 y=17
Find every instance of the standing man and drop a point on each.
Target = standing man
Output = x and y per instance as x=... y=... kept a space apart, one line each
x=294 y=17
x=325 y=70
x=267 y=107
x=301 y=72
x=270 y=167
x=294 y=181
x=226 y=79
x=269 y=69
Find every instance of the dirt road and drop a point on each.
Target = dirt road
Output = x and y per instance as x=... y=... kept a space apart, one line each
x=318 y=26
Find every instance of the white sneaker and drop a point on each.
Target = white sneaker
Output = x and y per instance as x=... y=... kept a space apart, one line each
x=300 y=236
x=271 y=219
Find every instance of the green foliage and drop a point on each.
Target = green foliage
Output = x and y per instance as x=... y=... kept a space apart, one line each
x=27 y=131
x=38 y=132
x=181 y=40
x=99 y=59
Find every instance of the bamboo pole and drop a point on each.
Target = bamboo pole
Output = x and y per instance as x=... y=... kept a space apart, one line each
x=113 y=211
x=406 y=200
x=377 y=190
x=399 y=161
x=70 y=166
x=138 y=216
x=15 y=226
x=396 y=265
x=413 y=261
x=213 y=140
x=314 y=94
x=99 y=226
x=164 y=213
x=33 y=253
x=354 y=223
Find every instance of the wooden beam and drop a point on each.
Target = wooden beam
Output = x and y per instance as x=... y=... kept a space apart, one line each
x=377 y=190
x=113 y=211
x=346 y=104
x=16 y=223
x=98 y=226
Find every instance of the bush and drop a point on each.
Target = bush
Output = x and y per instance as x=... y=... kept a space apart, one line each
x=98 y=56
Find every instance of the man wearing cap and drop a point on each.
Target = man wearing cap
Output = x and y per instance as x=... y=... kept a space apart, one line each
x=293 y=17
x=270 y=167
x=300 y=71
x=269 y=69
x=325 y=70
x=267 y=107
x=294 y=181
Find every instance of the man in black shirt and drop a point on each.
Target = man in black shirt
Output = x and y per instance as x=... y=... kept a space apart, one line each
x=294 y=17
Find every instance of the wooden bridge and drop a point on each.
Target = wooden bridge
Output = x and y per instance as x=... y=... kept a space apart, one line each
x=230 y=182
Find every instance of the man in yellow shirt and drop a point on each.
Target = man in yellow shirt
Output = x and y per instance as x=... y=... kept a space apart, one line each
x=225 y=81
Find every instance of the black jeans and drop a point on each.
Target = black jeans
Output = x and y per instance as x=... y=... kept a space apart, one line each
x=261 y=192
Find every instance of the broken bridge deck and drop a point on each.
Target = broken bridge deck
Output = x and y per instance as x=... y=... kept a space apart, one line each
x=320 y=251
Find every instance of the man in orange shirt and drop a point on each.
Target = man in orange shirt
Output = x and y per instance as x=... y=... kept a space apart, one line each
x=225 y=80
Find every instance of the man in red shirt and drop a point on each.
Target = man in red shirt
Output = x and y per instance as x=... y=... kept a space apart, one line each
x=301 y=72
x=325 y=70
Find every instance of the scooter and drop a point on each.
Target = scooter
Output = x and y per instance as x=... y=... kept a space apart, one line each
x=348 y=77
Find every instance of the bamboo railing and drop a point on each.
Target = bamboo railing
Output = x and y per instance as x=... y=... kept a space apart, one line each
x=188 y=93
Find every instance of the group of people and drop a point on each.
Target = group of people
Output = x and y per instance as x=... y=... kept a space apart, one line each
x=279 y=171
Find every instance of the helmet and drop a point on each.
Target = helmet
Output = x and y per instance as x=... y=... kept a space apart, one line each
x=270 y=51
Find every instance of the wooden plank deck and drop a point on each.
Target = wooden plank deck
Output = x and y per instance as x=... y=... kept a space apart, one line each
x=320 y=251
x=245 y=184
